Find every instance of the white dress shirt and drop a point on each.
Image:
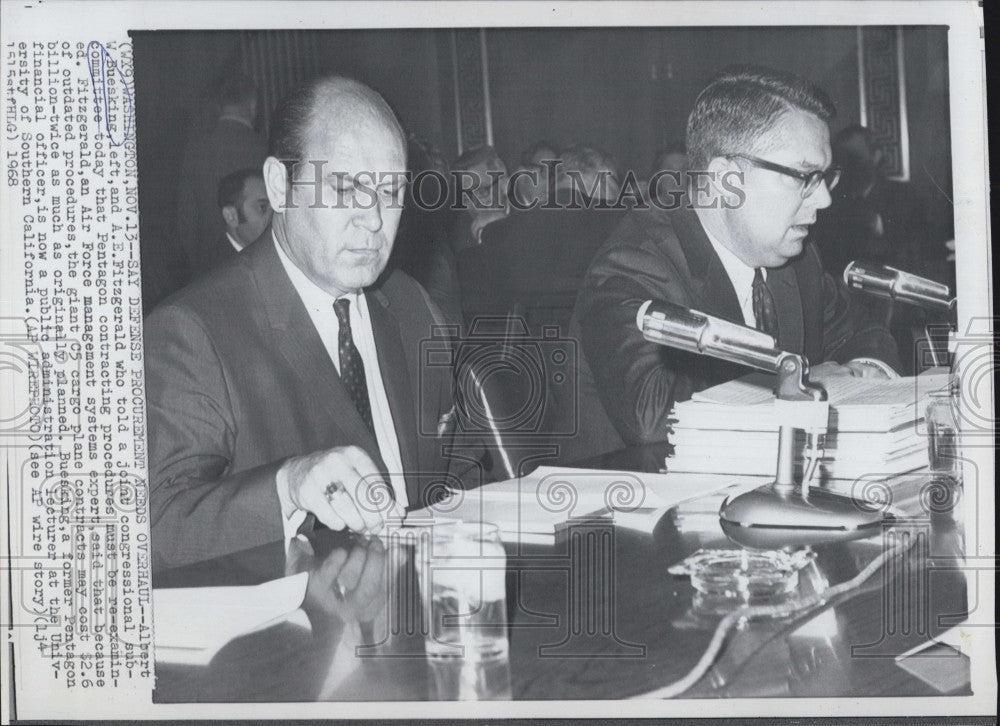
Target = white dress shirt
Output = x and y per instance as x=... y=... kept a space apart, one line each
x=319 y=305
x=741 y=275
x=233 y=241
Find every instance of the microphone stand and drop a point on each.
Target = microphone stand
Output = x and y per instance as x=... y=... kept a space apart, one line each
x=782 y=513
x=785 y=513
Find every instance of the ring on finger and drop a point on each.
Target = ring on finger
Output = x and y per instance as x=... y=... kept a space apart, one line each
x=339 y=590
x=332 y=489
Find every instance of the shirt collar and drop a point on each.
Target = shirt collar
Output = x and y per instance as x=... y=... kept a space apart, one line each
x=739 y=272
x=313 y=296
x=236 y=119
x=234 y=242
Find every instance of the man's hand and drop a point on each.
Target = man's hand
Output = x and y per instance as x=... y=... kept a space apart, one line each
x=342 y=487
x=854 y=368
x=862 y=369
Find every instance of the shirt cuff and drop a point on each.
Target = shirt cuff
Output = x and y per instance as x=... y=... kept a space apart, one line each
x=876 y=363
x=291 y=517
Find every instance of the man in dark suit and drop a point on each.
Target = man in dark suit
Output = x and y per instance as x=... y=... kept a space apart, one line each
x=230 y=144
x=287 y=386
x=245 y=211
x=534 y=260
x=736 y=249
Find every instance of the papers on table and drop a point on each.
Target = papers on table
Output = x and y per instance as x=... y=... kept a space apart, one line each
x=533 y=508
x=733 y=428
x=942 y=662
x=194 y=623
x=858 y=404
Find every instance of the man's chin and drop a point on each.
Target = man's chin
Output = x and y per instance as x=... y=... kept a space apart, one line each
x=789 y=249
x=365 y=277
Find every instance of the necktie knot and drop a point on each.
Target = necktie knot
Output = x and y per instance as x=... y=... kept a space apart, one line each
x=342 y=308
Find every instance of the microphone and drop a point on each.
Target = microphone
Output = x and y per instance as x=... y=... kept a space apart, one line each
x=676 y=326
x=892 y=284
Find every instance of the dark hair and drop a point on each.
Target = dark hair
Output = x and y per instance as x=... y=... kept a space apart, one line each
x=295 y=113
x=743 y=102
x=286 y=141
x=587 y=160
x=231 y=186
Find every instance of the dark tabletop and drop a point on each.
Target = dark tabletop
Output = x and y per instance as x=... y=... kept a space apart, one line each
x=594 y=615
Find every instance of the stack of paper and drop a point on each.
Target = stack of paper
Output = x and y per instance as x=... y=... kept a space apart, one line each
x=534 y=508
x=733 y=428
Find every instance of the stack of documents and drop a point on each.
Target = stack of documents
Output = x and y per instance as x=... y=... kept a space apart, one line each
x=534 y=508
x=873 y=431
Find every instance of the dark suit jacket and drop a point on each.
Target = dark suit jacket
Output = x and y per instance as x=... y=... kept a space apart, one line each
x=536 y=260
x=208 y=157
x=627 y=386
x=238 y=380
x=220 y=251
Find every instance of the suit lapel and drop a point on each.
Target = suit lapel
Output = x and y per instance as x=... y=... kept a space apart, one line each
x=302 y=348
x=396 y=379
x=712 y=289
x=784 y=286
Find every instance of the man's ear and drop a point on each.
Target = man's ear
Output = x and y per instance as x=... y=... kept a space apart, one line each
x=709 y=186
x=230 y=215
x=276 y=183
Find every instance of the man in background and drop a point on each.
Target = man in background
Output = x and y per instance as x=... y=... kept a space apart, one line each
x=668 y=174
x=533 y=262
x=872 y=217
x=229 y=144
x=246 y=212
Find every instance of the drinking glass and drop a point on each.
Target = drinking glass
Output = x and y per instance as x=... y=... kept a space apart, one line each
x=463 y=582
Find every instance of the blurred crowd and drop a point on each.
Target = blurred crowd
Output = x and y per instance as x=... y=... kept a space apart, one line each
x=490 y=239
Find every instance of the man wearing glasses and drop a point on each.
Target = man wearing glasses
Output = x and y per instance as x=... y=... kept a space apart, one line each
x=737 y=249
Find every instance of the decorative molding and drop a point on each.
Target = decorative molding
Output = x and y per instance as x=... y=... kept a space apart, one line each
x=882 y=85
x=278 y=60
x=473 y=121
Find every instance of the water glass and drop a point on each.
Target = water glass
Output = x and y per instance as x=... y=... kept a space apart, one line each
x=943 y=451
x=463 y=583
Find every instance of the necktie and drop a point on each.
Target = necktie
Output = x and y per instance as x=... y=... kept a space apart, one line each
x=352 y=368
x=763 y=306
x=352 y=375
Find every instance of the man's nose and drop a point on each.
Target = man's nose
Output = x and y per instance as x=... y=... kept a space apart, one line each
x=369 y=217
x=820 y=197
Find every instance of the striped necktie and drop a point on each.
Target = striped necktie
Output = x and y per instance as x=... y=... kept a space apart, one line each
x=763 y=306
x=352 y=368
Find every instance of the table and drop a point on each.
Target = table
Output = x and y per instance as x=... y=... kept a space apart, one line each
x=596 y=615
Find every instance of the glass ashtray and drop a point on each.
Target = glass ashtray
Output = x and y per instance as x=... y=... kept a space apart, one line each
x=724 y=579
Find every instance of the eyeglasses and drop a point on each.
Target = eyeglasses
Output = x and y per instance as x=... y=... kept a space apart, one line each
x=810 y=179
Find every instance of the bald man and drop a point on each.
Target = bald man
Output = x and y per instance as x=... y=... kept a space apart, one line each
x=285 y=388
